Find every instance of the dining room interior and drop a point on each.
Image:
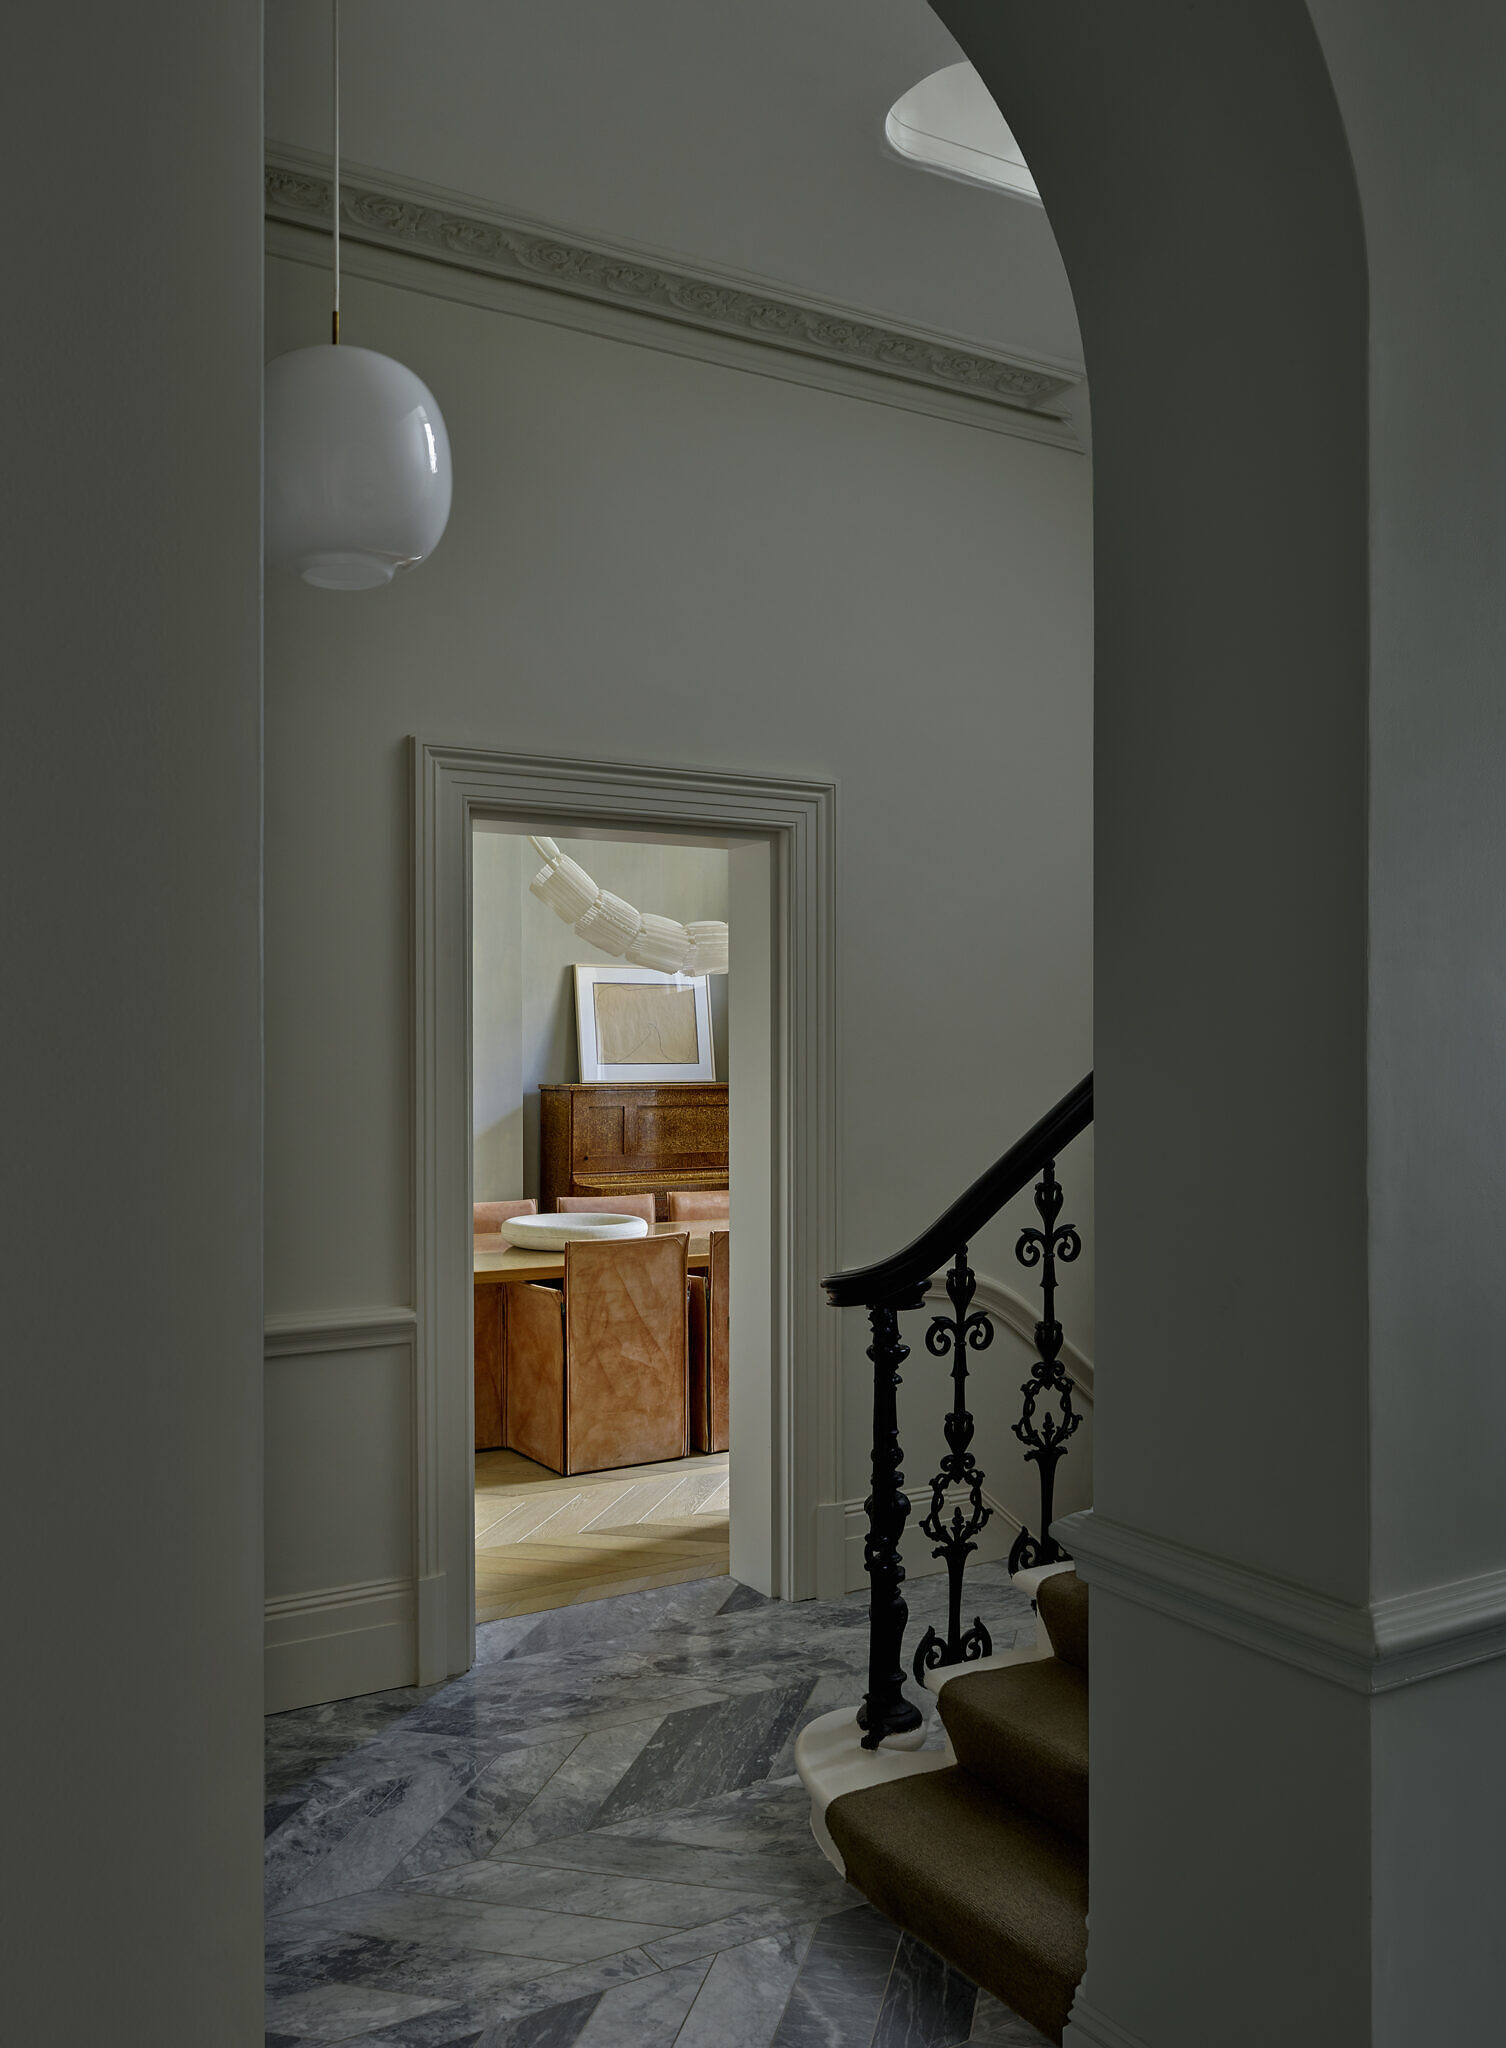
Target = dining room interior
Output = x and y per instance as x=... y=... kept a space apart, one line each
x=601 y=1213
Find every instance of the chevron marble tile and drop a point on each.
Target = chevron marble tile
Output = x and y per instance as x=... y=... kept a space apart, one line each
x=595 y=1839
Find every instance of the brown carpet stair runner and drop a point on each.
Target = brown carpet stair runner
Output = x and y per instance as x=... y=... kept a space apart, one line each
x=987 y=1860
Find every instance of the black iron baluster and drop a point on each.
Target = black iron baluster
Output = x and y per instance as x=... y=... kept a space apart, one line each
x=1046 y=1439
x=964 y=1329
x=885 y=1710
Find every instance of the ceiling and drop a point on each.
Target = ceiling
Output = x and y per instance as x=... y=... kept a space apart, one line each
x=744 y=137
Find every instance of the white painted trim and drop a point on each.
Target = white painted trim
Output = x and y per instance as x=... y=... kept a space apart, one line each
x=298 y=1606
x=450 y=245
x=337 y=1329
x=1000 y=1660
x=915 y=1547
x=1089 y=2028
x=1019 y=1316
x=1370 y=1649
x=830 y=1759
x=451 y=786
x=338 y=1642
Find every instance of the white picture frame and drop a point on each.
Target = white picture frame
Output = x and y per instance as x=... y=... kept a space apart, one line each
x=625 y=1036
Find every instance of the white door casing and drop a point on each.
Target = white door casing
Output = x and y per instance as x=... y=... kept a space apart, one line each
x=781 y=834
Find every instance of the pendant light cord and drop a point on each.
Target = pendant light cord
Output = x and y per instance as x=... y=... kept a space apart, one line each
x=335 y=20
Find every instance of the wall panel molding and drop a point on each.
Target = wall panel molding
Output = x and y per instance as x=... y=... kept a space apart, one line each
x=312 y=1331
x=669 y=306
x=1369 y=1649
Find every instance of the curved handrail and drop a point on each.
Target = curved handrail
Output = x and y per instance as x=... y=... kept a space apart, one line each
x=903 y=1271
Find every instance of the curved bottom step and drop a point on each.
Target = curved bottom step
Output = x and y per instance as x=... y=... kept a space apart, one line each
x=831 y=1760
x=994 y=1891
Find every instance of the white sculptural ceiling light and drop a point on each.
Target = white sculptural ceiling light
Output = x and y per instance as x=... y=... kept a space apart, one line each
x=949 y=124
x=357 y=457
x=613 y=926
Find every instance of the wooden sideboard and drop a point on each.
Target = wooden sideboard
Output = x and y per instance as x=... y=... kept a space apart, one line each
x=611 y=1138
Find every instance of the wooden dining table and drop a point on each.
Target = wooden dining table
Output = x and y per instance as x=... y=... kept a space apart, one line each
x=496 y=1266
x=499 y=1264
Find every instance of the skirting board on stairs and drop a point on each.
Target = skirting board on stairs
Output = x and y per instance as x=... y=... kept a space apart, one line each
x=844 y=1527
x=1017 y=1316
x=1090 y=2029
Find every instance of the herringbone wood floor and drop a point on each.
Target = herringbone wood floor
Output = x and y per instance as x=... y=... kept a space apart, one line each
x=544 y=1541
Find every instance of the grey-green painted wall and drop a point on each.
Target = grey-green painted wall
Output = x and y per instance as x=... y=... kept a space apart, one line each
x=130 y=1176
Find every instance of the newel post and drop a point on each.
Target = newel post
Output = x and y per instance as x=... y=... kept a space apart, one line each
x=885 y=1710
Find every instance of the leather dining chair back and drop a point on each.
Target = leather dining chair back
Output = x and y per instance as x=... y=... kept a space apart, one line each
x=608 y=1205
x=698 y=1205
x=488 y=1216
x=711 y=1349
x=597 y=1376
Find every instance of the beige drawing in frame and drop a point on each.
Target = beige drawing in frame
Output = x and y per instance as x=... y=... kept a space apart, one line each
x=635 y=1024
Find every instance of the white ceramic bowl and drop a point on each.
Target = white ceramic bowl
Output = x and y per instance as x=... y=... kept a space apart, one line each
x=553 y=1233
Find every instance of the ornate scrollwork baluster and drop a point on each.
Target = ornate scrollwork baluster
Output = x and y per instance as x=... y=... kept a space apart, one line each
x=885 y=1710
x=965 y=1329
x=1045 y=1435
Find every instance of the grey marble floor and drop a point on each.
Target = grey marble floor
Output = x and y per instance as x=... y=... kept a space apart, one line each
x=596 y=1839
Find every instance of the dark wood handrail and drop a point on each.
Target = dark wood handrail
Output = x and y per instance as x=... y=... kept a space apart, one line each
x=899 y=1275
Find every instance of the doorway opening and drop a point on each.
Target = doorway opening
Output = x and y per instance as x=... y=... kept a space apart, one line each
x=777 y=837
x=600 y=1089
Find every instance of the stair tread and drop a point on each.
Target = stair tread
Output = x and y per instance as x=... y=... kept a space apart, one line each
x=987 y=1885
x=1024 y=1732
x=1062 y=1603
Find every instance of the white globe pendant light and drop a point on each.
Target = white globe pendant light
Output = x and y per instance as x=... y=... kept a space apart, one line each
x=357 y=457
x=358 y=467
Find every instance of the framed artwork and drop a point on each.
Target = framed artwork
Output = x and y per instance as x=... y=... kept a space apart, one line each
x=635 y=1024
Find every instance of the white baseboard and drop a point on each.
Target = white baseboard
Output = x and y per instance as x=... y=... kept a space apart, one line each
x=915 y=1546
x=1088 y=2028
x=340 y=1641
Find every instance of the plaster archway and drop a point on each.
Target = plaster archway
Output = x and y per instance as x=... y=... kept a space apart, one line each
x=1197 y=175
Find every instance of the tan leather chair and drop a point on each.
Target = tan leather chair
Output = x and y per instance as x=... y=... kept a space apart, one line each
x=698 y=1205
x=489 y=1216
x=488 y=1315
x=597 y=1376
x=710 y=1350
x=608 y=1205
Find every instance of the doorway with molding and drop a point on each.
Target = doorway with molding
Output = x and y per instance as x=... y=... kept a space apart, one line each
x=776 y=837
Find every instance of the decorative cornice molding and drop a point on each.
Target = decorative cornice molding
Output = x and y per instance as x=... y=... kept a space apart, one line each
x=397 y=214
x=337 y=1329
x=1369 y=1649
x=1019 y=1316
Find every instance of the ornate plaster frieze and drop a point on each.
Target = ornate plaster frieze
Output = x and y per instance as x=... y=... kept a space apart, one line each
x=392 y=216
